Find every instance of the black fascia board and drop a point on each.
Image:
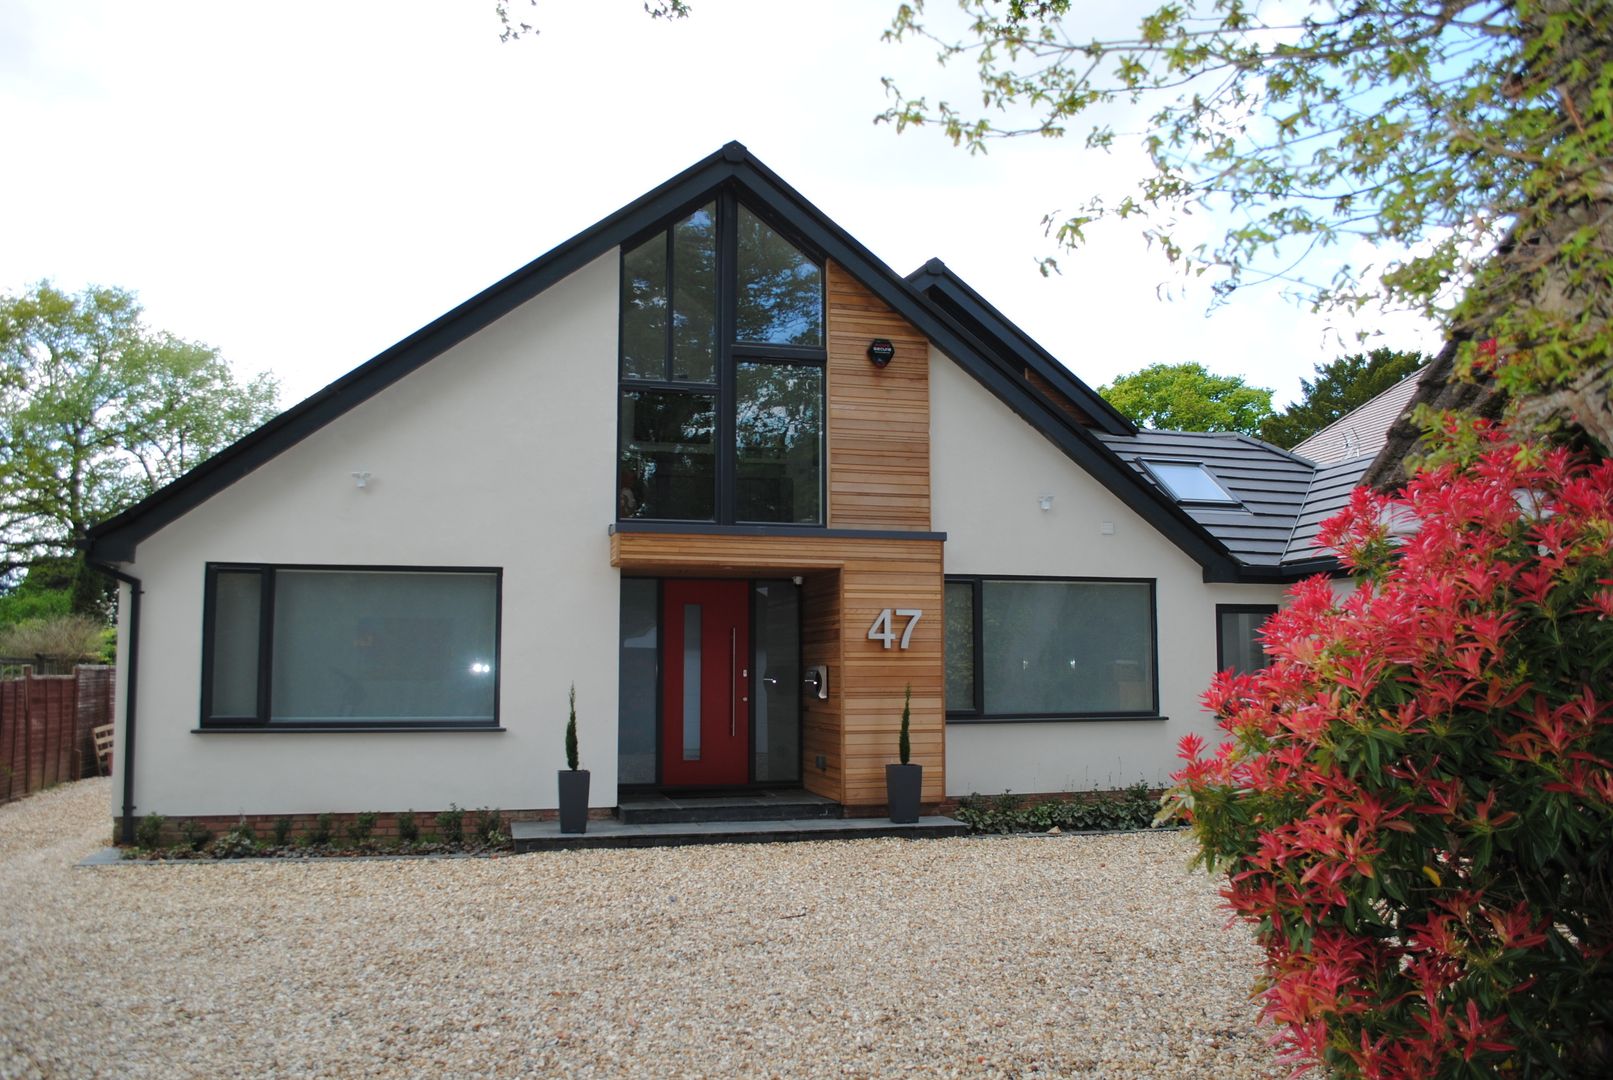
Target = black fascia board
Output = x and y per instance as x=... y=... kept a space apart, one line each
x=939 y=282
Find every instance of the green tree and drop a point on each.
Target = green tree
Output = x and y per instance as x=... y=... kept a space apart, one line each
x=96 y=411
x=1469 y=142
x=1188 y=397
x=1345 y=384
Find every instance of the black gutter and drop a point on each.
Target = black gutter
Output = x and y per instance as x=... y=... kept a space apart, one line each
x=131 y=697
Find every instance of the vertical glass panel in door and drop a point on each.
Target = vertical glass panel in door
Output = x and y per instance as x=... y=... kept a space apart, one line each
x=780 y=298
x=644 y=310
x=778 y=433
x=691 y=682
x=637 y=682
x=668 y=465
x=237 y=598
x=776 y=639
x=694 y=297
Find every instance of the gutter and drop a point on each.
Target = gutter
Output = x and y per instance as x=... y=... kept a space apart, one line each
x=131 y=697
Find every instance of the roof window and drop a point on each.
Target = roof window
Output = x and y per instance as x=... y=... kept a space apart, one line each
x=1189 y=482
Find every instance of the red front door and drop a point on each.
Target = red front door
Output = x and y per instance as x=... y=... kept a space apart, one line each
x=705 y=707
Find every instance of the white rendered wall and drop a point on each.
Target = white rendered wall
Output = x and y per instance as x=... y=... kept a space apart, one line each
x=988 y=470
x=498 y=453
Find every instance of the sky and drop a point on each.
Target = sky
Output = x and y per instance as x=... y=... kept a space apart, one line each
x=302 y=184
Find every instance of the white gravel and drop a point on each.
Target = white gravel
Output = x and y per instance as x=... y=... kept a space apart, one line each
x=1071 y=956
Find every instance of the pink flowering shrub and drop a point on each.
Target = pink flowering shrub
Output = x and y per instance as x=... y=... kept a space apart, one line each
x=1414 y=804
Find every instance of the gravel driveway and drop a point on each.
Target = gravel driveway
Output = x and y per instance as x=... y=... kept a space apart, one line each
x=1073 y=956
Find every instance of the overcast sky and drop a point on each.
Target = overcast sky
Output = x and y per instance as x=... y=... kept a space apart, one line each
x=301 y=184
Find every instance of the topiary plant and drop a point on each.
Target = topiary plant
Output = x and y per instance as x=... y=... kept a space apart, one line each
x=571 y=732
x=1414 y=800
x=904 y=747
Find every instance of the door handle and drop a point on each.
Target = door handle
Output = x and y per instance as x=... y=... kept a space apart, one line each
x=733 y=688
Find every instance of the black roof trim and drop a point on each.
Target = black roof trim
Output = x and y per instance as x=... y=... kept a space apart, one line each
x=942 y=285
x=115 y=540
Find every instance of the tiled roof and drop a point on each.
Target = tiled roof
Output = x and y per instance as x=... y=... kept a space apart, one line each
x=1361 y=432
x=1271 y=484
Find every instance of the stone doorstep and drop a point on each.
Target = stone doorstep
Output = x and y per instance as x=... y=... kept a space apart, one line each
x=546 y=835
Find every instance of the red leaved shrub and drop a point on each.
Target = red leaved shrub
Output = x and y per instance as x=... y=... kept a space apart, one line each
x=1414 y=805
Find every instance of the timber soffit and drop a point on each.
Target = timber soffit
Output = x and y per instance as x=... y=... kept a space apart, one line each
x=115 y=539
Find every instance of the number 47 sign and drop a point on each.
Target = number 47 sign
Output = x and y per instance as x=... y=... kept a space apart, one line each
x=884 y=629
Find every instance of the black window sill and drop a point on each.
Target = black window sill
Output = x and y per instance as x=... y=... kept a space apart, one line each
x=1105 y=719
x=345 y=729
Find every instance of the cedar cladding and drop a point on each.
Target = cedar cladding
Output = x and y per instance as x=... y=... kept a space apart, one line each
x=879 y=418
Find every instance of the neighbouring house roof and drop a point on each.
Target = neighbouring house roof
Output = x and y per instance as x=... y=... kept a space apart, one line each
x=1246 y=545
x=1363 y=431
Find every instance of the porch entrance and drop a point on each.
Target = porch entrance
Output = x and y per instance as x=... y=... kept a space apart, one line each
x=710 y=693
x=705 y=665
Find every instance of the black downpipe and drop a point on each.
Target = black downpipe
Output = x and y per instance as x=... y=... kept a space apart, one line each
x=130 y=699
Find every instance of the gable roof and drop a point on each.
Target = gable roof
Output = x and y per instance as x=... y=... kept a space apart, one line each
x=954 y=317
x=1364 y=430
x=972 y=311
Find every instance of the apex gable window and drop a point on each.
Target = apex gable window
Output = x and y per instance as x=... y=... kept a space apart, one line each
x=316 y=648
x=722 y=372
x=1050 y=649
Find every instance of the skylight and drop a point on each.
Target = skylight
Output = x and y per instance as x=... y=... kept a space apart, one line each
x=1189 y=482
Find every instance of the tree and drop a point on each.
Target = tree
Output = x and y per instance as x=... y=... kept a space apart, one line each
x=96 y=411
x=1473 y=137
x=1187 y=397
x=1347 y=383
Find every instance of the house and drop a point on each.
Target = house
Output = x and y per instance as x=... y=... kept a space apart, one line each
x=715 y=465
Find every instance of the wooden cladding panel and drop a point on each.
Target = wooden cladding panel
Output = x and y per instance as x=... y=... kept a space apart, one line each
x=821 y=720
x=879 y=418
x=1057 y=397
x=847 y=582
x=875 y=677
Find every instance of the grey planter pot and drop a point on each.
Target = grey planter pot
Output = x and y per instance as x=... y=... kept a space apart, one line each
x=902 y=786
x=573 y=800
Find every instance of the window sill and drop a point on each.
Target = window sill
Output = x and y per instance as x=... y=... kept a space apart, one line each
x=1109 y=719
x=343 y=729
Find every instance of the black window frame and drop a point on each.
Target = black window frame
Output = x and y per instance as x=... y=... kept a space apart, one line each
x=261 y=721
x=976 y=712
x=1238 y=609
x=729 y=352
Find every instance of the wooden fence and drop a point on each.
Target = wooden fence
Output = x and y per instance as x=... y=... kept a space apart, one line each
x=46 y=727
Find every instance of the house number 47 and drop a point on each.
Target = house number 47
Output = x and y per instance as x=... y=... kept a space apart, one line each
x=884 y=630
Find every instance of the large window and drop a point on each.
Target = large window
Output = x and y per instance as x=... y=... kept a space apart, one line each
x=1045 y=648
x=722 y=373
x=324 y=647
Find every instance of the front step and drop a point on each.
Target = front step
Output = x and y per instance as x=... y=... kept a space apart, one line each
x=662 y=809
x=546 y=835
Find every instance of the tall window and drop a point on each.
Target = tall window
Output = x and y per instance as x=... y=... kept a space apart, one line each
x=722 y=372
x=1049 y=648
x=314 y=647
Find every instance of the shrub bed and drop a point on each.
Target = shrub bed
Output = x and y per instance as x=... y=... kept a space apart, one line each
x=1113 y=811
